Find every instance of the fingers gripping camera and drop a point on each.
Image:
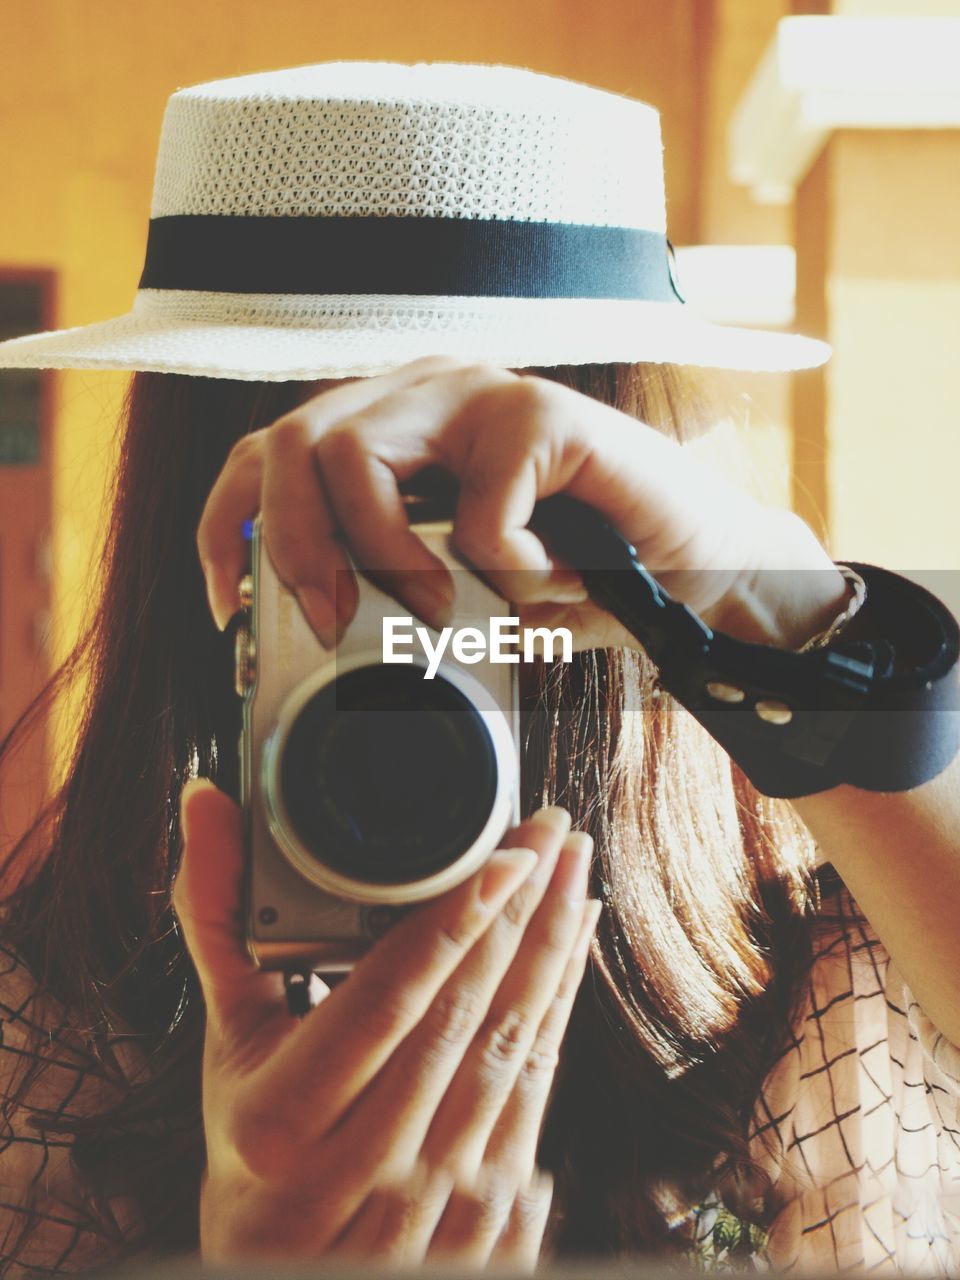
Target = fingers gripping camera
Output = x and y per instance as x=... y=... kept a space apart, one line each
x=365 y=787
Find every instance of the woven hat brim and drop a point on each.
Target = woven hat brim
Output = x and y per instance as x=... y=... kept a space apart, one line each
x=517 y=333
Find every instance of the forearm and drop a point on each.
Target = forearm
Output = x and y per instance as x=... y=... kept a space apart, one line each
x=899 y=854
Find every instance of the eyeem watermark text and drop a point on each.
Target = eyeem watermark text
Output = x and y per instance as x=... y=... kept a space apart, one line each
x=503 y=641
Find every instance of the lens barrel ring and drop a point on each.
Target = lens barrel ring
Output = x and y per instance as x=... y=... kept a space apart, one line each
x=394 y=806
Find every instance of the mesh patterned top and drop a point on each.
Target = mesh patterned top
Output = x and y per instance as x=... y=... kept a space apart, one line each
x=857 y=1126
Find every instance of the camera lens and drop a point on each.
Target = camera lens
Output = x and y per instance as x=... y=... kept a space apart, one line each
x=388 y=777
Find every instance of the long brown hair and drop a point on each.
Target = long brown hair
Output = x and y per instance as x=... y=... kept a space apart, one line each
x=701 y=949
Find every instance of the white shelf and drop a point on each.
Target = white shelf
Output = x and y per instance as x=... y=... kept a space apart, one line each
x=825 y=73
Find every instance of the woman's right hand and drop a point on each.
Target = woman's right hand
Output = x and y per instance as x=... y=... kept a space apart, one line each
x=399 y=1119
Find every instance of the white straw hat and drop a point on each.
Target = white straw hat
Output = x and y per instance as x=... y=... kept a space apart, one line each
x=341 y=219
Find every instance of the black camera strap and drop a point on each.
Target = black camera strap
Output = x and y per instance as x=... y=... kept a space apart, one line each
x=878 y=708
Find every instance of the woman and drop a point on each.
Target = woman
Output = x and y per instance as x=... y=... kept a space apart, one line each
x=317 y=237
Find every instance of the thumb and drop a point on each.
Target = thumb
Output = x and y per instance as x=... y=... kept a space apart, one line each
x=207 y=899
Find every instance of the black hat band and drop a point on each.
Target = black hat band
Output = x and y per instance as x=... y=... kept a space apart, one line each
x=465 y=257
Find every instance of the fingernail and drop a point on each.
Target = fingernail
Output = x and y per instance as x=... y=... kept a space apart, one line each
x=345 y=603
x=567 y=589
x=188 y=788
x=505 y=872
x=573 y=974
x=431 y=600
x=320 y=613
x=222 y=600
x=554 y=817
x=557 y=822
x=591 y=914
x=571 y=595
x=573 y=866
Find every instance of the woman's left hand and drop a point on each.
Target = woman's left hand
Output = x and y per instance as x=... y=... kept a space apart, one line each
x=328 y=474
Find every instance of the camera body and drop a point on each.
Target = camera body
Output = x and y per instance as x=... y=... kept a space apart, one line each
x=365 y=787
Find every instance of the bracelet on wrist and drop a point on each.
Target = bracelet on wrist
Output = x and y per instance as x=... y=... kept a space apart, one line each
x=858 y=594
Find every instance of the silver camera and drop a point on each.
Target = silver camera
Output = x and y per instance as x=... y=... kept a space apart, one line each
x=365 y=786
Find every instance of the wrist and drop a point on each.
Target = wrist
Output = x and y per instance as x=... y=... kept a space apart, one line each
x=797 y=593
